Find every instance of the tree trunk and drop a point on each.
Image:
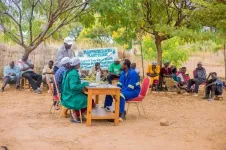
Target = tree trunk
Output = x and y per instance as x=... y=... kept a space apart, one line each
x=142 y=58
x=158 y=45
x=27 y=51
x=224 y=61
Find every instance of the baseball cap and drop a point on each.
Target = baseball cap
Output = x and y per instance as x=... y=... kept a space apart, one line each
x=199 y=63
x=68 y=40
x=166 y=61
x=154 y=63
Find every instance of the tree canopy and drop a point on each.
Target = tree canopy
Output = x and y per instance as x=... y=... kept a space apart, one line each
x=163 y=18
x=30 y=22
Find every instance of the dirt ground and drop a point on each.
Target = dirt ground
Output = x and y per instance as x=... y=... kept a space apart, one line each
x=195 y=124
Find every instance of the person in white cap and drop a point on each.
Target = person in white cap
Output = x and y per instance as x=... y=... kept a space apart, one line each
x=153 y=71
x=63 y=51
x=72 y=96
x=114 y=70
x=65 y=65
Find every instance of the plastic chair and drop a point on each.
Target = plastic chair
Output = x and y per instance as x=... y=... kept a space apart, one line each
x=55 y=98
x=155 y=84
x=138 y=100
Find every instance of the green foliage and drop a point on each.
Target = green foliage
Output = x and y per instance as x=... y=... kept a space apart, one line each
x=204 y=46
x=97 y=34
x=30 y=22
x=172 y=51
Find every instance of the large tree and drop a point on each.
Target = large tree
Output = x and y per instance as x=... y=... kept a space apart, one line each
x=212 y=15
x=30 y=22
x=161 y=18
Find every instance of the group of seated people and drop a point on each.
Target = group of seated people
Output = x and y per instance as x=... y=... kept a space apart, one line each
x=68 y=79
x=170 y=77
x=113 y=72
x=13 y=73
x=73 y=92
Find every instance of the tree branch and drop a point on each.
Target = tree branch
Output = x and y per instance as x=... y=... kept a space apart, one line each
x=14 y=37
x=20 y=21
x=33 y=5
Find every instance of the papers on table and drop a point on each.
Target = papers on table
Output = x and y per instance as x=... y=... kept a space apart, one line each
x=94 y=84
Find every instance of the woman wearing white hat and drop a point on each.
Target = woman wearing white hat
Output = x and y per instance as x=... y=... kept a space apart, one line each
x=72 y=96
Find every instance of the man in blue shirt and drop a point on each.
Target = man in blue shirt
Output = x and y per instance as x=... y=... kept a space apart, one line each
x=65 y=65
x=11 y=75
x=130 y=88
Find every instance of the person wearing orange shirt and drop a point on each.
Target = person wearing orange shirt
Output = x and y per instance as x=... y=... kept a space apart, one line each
x=153 y=71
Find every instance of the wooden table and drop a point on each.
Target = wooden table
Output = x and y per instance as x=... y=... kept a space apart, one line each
x=101 y=113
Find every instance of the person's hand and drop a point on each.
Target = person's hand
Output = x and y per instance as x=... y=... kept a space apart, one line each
x=83 y=90
x=27 y=63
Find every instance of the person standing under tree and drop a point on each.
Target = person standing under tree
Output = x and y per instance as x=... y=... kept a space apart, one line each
x=11 y=75
x=63 y=51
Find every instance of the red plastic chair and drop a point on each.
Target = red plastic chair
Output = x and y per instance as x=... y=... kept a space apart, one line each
x=138 y=100
x=155 y=84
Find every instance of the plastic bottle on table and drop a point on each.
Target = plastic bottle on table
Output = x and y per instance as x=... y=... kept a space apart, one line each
x=98 y=76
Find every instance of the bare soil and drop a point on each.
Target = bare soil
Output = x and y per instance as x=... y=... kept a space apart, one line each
x=194 y=124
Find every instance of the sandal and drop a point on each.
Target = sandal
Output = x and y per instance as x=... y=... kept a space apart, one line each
x=74 y=120
x=57 y=107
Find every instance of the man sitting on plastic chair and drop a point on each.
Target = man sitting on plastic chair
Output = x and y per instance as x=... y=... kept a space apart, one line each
x=153 y=72
x=130 y=88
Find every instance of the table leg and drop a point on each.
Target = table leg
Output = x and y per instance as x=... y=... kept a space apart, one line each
x=117 y=102
x=97 y=99
x=89 y=108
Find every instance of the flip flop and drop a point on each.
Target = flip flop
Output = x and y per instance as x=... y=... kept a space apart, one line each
x=74 y=121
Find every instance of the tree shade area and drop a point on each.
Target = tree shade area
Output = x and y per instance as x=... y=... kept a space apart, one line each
x=163 y=28
x=71 y=69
